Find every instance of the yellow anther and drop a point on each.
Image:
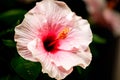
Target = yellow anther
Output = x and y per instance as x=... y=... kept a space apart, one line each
x=63 y=33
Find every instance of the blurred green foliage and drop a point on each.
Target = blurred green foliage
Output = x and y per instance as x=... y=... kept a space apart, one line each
x=13 y=66
x=26 y=69
x=12 y=16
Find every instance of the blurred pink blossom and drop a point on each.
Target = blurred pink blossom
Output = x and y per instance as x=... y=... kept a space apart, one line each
x=54 y=36
x=102 y=13
x=113 y=18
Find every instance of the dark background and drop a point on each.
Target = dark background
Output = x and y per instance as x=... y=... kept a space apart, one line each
x=101 y=67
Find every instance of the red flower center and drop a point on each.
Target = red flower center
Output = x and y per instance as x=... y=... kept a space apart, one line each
x=50 y=43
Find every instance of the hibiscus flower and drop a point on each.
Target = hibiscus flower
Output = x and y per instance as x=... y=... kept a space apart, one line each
x=54 y=36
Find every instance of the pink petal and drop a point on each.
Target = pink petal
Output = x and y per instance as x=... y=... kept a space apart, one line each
x=25 y=32
x=48 y=66
x=37 y=49
x=50 y=8
x=54 y=71
x=86 y=56
x=79 y=36
x=54 y=11
x=67 y=59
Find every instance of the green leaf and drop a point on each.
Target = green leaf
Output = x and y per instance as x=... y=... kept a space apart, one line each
x=12 y=16
x=4 y=32
x=79 y=69
x=94 y=50
x=11 y=13
x=98 y=39
x=26 y=69
x=10 y=77
x=9 y=43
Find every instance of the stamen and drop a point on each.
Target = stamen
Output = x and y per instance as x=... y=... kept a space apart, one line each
x=63 y=33
x=50 y=44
